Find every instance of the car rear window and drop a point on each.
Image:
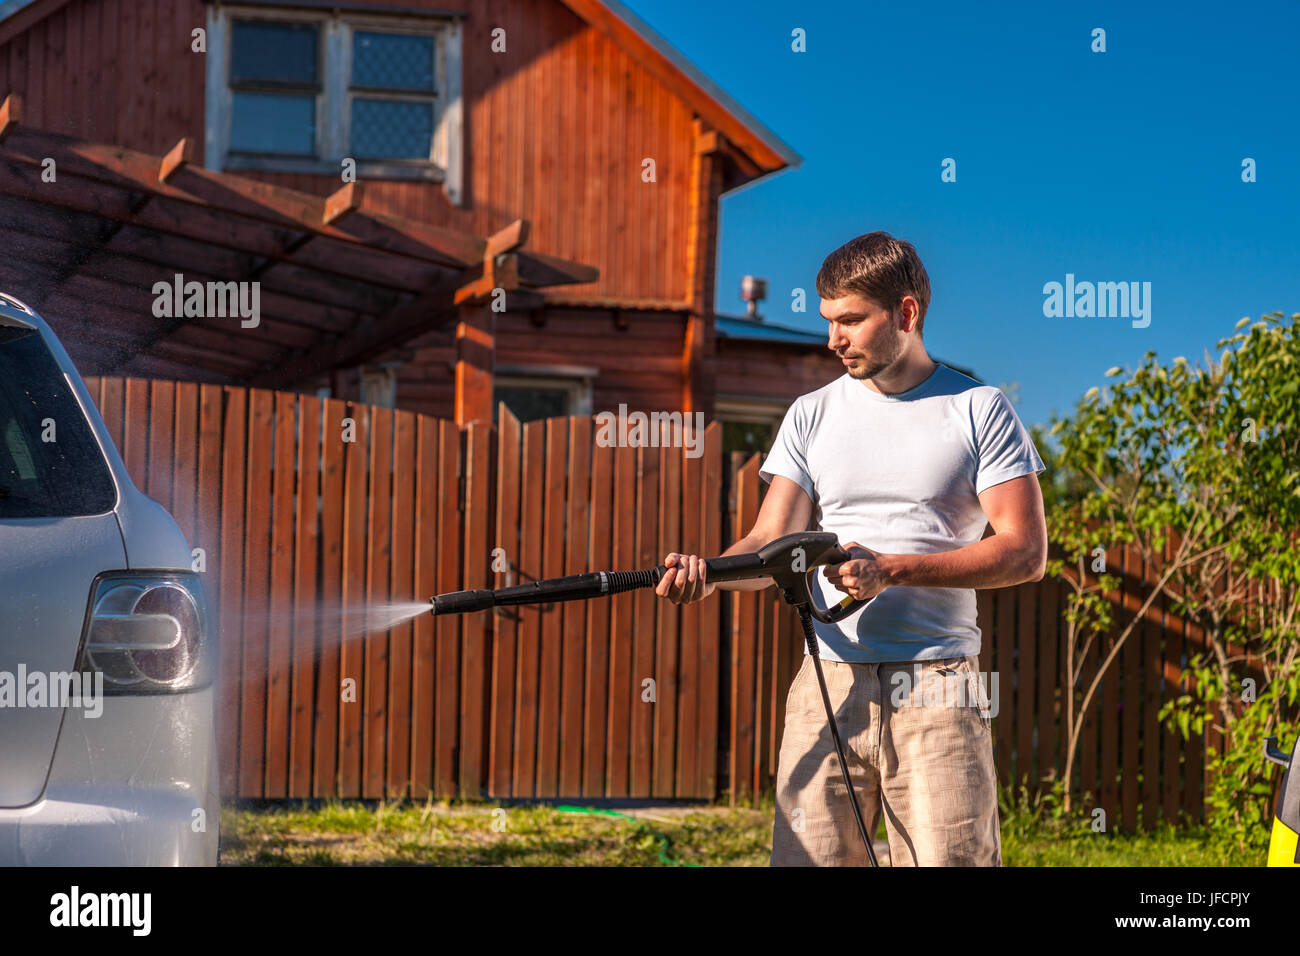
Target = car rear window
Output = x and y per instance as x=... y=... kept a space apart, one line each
x=50 y=464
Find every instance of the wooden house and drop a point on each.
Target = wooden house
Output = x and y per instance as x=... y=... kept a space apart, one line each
x=512 y=200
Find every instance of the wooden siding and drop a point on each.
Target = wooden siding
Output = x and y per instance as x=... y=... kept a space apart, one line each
x=763 y=370
x=640 y=364
x=555 y=128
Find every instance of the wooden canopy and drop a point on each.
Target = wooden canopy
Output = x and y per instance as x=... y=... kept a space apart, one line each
x=88 y=230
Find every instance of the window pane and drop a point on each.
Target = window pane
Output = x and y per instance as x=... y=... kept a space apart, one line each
x=747 y=436
x=391 y=129
x=273 y=52
x=40 y=478
x=273 y=123
x=530 y=404
x=392 y=61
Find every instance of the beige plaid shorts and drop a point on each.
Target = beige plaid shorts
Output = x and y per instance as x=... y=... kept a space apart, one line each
x=919 y=744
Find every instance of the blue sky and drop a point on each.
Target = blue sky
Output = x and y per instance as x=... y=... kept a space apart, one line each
x=1116 y=166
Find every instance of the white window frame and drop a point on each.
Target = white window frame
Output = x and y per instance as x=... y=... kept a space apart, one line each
x=379 y=385
x=334 y=103
x=576 y=380
x=750 y=411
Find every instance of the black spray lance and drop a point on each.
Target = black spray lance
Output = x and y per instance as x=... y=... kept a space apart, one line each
x=789 y=561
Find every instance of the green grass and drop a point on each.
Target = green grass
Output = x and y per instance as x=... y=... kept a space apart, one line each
x=1166 y=846
x=479 y=834
x=1037 y=832
x=463 y=834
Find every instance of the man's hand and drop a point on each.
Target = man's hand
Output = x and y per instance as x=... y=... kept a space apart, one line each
x=862 y=576
x=684 y=581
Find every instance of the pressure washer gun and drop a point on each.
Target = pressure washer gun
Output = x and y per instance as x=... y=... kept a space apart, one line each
x=789 y=561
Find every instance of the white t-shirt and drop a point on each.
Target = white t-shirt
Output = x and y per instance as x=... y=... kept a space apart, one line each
x=900 y=474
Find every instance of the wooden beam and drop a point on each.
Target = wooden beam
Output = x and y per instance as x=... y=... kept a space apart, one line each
x=342 y=202
x=475 y=356
x=507 y=240
x=707 y=141
x=242 y=200
x=499 y=273
x=254 y=217
x=153 y=366
x=181 y=155
x=225 y=229
x=698 y=346
x=440 y=244
x=536 y=269
x=127 y=260
x=11 y=110
x=747 y=168
x=524 y=300
x=430 y=310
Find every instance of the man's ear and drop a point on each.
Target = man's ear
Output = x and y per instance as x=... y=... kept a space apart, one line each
x=914 y=314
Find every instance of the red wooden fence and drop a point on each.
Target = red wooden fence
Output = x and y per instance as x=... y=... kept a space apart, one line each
x=310 y=510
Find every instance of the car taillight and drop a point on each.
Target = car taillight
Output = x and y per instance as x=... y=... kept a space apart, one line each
x=146 y=632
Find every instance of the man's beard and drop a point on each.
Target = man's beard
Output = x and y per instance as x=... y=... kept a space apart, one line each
x=862 y=370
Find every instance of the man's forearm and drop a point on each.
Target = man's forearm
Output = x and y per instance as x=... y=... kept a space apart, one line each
x=998 y=561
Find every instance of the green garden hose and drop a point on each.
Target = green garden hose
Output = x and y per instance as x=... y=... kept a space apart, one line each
x=663 y=840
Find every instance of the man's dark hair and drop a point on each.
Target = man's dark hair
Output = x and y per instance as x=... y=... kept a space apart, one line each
x=876 y=266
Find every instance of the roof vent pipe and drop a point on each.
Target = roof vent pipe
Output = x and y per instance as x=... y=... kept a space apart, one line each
x=753 y=290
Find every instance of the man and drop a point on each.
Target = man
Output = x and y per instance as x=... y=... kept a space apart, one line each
x=912 y=459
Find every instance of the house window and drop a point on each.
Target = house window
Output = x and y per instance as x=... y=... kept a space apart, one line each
x=538 y=392
x=749 y=425
x=318 y=91
x=392 y=96
x=379 y=386
x=274 y=86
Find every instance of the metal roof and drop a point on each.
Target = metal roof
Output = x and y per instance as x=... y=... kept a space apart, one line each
x=735 y=327
x=749 y=330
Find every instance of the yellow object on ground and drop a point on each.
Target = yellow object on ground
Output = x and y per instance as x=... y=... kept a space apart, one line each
x=1284 y=843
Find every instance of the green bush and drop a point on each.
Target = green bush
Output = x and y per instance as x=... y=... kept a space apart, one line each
x=1212 y=454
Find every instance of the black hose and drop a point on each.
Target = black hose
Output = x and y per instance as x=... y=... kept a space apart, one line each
x=620 y=581
x=810 y=638
x=578 y=587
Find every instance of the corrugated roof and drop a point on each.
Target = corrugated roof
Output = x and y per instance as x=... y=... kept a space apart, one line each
x=742 y=329
x=734 y=327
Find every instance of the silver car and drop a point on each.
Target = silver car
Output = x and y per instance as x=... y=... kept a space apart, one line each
x=107 y=713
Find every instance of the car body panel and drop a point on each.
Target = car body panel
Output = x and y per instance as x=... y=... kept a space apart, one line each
x=121 y=788
x=43 y=610
x=124 y=789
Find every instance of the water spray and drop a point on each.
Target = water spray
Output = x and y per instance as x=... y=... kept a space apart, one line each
x=789 y=561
